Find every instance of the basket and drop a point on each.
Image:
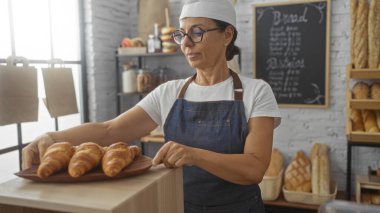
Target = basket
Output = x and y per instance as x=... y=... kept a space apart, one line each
x=310 y=198
x=270 y=187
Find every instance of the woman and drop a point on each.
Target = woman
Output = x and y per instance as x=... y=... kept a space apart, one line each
x=218 y=125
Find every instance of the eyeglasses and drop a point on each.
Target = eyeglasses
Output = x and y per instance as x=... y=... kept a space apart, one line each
x=195 y=34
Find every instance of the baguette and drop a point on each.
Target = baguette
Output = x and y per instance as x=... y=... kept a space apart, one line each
x=320 y=169
x=374 y=34
x=56 y=158
x=361 y=35
x=354 y=8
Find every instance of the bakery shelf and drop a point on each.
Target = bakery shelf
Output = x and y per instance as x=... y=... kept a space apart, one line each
x=363 y=182
x=363 y=73
x=365 y=104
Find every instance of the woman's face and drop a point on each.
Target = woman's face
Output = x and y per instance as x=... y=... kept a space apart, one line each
x=208 y=52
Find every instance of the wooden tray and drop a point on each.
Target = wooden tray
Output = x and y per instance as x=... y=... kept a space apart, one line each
x=140 y=165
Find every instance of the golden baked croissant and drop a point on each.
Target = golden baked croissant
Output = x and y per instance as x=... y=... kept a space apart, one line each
x=135 y=150
x=117 y=157
x=56 y=157
x=86 y=157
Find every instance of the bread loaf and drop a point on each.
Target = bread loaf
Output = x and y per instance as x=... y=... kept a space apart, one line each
x=374 y=34
x=320 y=169
x=276 y=163
x=375 y=91
x=361 y=35
x=377 y=112
x=357 y=120
x=366 y=198
x=370 y=121
x=369 y=118
x=86 y=157
x=56 y=158
x=354 y=7
x=360 y=91
x=298 y=174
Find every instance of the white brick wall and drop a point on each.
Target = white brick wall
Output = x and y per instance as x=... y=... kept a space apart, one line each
x=107 y=22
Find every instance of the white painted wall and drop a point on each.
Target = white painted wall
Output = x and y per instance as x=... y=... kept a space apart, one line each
x=107 y=22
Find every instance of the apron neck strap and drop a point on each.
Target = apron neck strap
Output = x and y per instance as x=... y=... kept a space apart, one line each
x=238 y=88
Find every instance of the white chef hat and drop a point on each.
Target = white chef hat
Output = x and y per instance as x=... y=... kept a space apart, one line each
x=222 y=10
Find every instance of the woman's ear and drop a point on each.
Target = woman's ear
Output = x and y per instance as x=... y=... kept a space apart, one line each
x=228 y=35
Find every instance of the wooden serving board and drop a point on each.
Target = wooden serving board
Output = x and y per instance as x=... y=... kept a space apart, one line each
x=139 y=165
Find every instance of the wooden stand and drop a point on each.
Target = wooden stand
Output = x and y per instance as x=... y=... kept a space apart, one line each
x=358 y=138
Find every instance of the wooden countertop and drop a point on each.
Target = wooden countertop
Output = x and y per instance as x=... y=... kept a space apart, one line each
x=98 y=197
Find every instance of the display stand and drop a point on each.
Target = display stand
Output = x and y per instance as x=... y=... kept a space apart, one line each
x=358 y=139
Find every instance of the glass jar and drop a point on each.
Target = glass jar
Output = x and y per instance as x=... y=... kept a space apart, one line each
x=145 y=81
x=129 y=77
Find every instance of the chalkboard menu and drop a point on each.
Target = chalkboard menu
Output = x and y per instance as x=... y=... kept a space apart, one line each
x=291 y=51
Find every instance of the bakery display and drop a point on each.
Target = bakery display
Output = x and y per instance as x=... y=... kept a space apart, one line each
x=118 y=156
x=56 y=158
x=86 y=157
x=298 y=174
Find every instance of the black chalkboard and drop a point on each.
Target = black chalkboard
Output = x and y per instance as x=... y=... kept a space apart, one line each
x=291 y=51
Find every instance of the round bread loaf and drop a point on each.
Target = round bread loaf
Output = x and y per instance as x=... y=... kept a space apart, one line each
x=375 y=91
x=360 y=91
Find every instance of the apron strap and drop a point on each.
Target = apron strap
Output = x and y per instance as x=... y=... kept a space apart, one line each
x=238 y=88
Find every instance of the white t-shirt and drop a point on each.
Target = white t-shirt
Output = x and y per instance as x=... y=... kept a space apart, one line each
x=258 y=97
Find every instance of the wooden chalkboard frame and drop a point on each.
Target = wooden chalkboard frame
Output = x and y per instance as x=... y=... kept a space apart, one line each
x=327 y=50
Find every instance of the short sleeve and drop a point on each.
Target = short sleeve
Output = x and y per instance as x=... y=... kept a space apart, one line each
x=151 y=105
x=265 y=104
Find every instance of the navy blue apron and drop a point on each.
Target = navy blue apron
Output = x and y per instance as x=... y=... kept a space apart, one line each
x=218 y=126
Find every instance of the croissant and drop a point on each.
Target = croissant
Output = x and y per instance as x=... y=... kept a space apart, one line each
x=57 y=157
x=86 y=157
x=136 y=151
x=117 y=157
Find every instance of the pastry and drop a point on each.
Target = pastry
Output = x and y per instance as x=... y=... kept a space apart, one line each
x=360 y=91
x=56 y=158
x=86 y=157
x=116 y=158
x=298 y=174
x=276 y=163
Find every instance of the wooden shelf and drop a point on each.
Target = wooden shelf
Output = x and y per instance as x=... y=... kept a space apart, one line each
x=365 y=74
x=364 y=104
x=363 y=182
x=121 y=54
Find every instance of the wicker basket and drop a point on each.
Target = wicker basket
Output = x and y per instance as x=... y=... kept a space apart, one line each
x=310 y=198
x=270 y=186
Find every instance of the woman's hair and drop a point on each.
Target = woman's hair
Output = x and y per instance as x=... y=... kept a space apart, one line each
x=231 y=48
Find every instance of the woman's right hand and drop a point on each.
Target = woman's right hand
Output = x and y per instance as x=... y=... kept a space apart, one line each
x=33 y=152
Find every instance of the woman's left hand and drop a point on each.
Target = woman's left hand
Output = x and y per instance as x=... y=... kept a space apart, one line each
x=173 y=154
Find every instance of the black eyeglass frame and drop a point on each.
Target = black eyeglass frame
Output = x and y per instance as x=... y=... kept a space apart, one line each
x=187 y=34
